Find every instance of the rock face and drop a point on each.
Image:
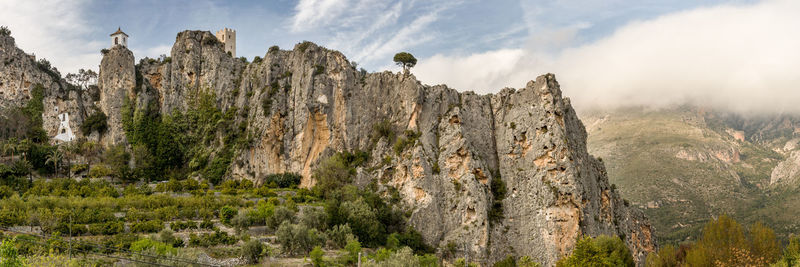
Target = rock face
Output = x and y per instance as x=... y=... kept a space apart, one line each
x=306 y=104
x=787 y=172
x=117 y=81
x=20 y=73
x=447 y=151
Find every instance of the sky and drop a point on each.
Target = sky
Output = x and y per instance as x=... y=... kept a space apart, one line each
x=740 y=55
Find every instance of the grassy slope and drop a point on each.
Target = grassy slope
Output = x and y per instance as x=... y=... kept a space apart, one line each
x=639 y=148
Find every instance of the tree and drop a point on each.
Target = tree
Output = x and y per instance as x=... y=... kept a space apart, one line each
x=83 y=79
x=70 y=150
x=600 y=251
x=9 y=255
x=90 y=149
x=55 y=157
x=405 y=60
x=10 y=147
x=251 y=251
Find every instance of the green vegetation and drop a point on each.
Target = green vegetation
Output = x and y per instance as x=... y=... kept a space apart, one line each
x=303 y=46
x=95 y=122
x=726 y=243
x=409 y=139
x=405 y=60
x=4 y=31
x=599 y=251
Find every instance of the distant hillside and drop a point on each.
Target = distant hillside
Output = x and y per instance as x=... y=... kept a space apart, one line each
x=685 y=165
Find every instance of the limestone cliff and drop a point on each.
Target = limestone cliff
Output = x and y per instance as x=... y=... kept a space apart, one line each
x=305 y=104
x=20 y=73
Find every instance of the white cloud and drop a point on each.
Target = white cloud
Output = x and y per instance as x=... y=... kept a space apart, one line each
x=739 y=57
x=315 y=13
x=53 y=29
x=153 y=52
x=369 y=31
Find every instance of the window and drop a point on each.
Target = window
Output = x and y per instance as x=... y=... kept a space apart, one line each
x=63 y=131
x=116 y=40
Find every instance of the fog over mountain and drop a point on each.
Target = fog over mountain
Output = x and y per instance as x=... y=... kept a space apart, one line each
x=742 y=58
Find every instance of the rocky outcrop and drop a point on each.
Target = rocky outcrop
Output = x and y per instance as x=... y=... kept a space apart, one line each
x=117 y=82
x=20 y=73
x=303 y=105
x=787 y=172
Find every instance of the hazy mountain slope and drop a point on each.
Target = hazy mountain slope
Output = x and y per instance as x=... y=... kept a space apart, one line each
x=685 y=165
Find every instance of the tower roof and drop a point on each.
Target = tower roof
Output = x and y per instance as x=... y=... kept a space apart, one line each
x=119 y=31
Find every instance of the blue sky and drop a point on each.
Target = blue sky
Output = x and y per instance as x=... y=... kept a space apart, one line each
x=470 y=45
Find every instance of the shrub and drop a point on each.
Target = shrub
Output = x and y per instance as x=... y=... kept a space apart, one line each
x=147 y=226
x=206 y=224
x=284 y=180
x=318 y=69
x=168 y=237
x=408 y=140
x=303 y=46
x=314 y=218
x=99 y=171
x=383 y=129
x=251 y=251
x=98 y=121
x=226 y=213
x=280 y=215
x=297 y=239
x=339 y=235
x=257 y=60
x=600 y=251
x=4 y=31
x=146 y=244
x=316 y=256
x=353 y=249
x=273 y=49
x=207 y=240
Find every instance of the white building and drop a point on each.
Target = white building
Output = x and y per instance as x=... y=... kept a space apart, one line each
x=119 y=38
x=228 y=39
x=65 y=133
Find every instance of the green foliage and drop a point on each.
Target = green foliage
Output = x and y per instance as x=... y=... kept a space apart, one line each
x=257 y=60
x=152 y=226
x=314 y=218
x=409 y=139
x=509 y=261
x=498 y=187
x=251 y=251
x=33 y=109
x=353 y=249
x=316 y=256
x=599 y=251
x=665 y=257
x=297 y=239
x=303 y=46
x=4 y=31
x=405 y=60
x=148 y=244
x=213 y=239
x=273 y=49
x=318 y=69
x=340 y=234
x=280 y=214
x=526 y=261
x=226 y=213
x=284 y=180
x=98 y=121
x=9 y=256
x=725 y=243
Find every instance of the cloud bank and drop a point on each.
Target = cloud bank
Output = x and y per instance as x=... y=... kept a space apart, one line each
x=743 y=58
x=55 y=30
